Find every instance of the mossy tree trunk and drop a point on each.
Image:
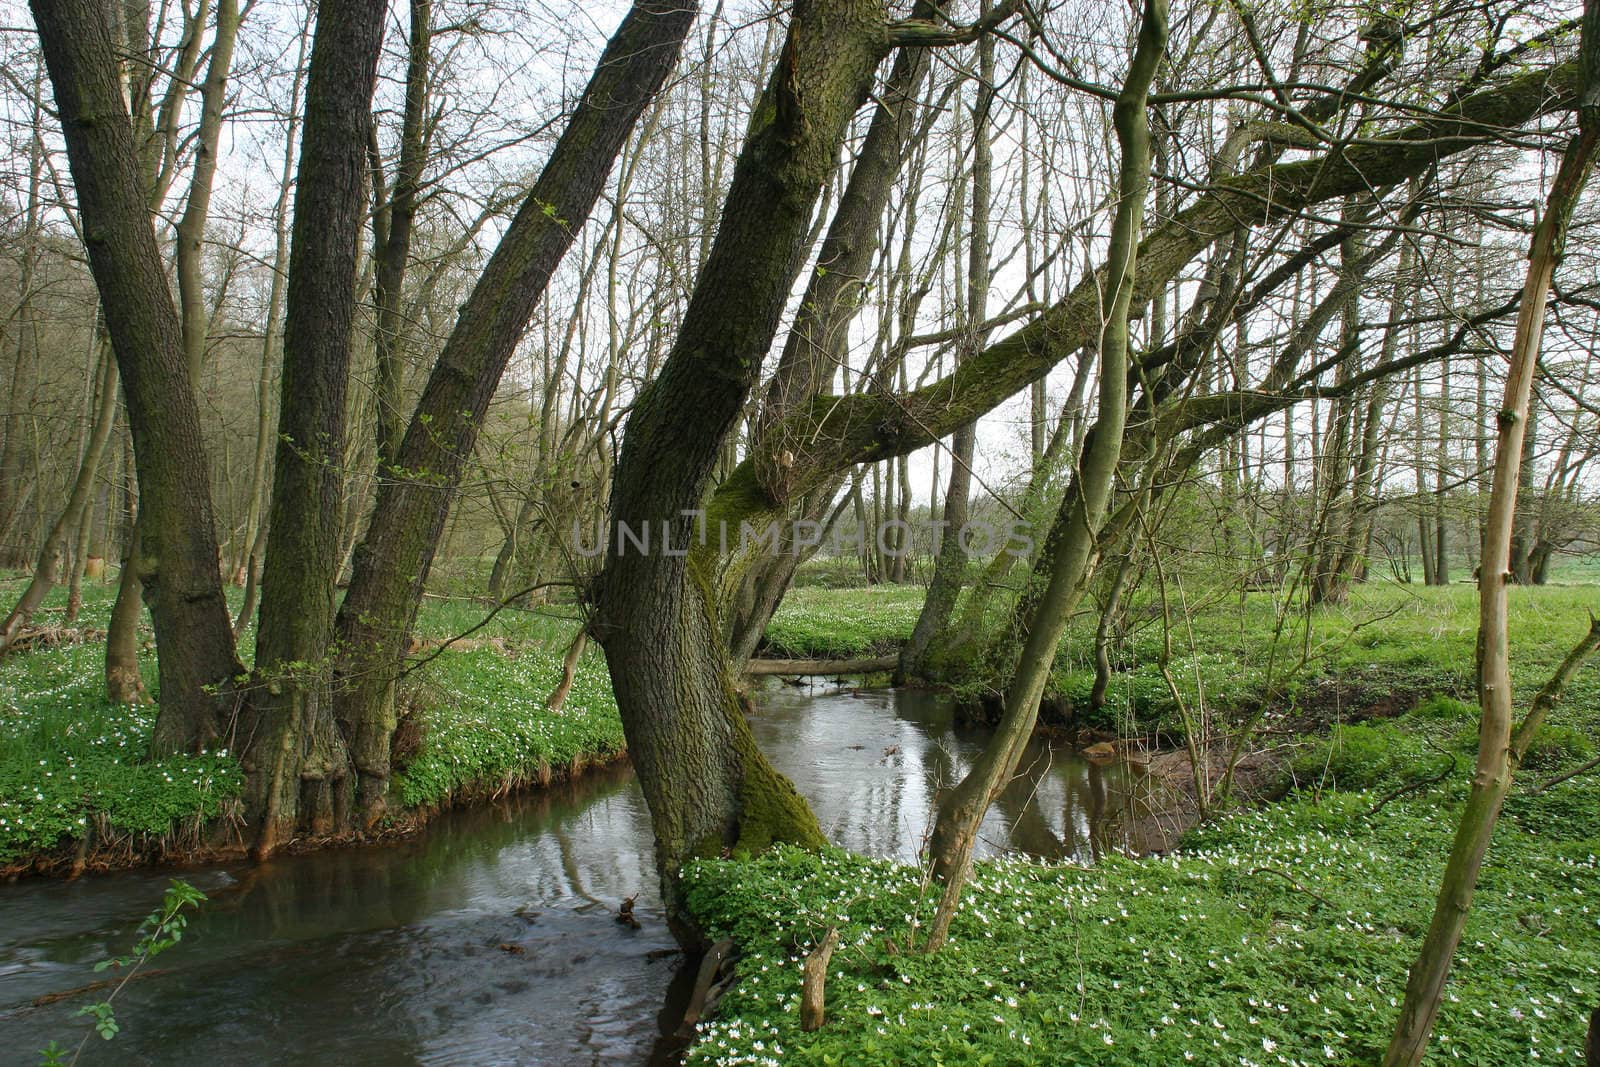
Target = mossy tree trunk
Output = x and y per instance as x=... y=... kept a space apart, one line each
x=124 y=683
x=293 y=756
x=1497 y=752
x=658 y=612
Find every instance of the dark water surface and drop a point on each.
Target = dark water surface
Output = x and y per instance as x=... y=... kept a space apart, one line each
x=393 y=954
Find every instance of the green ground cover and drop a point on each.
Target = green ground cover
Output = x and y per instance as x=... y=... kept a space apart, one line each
x=70 y=760
x=485 y=724
x=817 y=622
x=1280 y=934
x=1388 y=639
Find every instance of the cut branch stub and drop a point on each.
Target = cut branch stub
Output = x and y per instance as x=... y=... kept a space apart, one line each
x=814 y=981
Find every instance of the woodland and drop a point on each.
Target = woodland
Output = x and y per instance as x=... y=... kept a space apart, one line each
x=410 y=406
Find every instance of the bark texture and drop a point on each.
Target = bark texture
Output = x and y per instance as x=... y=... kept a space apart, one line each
x=293 y=756
x=177 y=559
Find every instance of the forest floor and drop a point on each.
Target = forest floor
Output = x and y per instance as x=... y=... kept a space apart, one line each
x=1278 y=933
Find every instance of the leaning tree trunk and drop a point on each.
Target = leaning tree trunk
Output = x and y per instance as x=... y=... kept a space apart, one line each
x=178 y=543
x=393 y=251
x=189 y=234
x=1497 y=754
x=1072 y=537
x=686 y=414
x=391 y=563
x=658 y=612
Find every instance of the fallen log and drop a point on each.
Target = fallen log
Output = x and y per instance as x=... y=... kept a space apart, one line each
x=821 y=666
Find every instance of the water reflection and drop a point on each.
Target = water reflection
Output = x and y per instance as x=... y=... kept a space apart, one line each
x=872 y=763
x=490 y=938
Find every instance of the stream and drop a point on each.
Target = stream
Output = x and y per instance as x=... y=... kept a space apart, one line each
x=490 y=937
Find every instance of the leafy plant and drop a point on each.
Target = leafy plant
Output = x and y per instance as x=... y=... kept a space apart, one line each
x=160 y=930
x=1275 y=935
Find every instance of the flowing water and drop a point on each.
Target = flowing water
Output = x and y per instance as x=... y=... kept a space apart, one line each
x=490 y=938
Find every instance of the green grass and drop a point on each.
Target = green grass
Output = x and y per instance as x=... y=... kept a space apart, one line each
x=820 y=623
x=1278 y=935
x=70 y=758
x=1388 y=639
x=485 y=725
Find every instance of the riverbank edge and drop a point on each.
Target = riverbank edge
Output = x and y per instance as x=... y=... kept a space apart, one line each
x=193 y=843
x=106 y=852
x=1261 y=779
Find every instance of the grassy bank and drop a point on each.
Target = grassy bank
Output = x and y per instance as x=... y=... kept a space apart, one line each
x=73 y=765
x=815 y=622
x=71 y=762
x=1277 y=935
x=1389 y=642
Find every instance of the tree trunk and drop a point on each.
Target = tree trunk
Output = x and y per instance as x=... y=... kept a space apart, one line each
x=254 y=539
x=178 y=555
x=1106 y=630
x=293 y=757
x=394 y=250
x=391 y=563
x=191 y=229
x=1441 y=533
x=57 y=552
x=124 y=683
x=1072 y=537
x=658 y=613
x=1497 y=759
x=23 y=370
x=1525 y=524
